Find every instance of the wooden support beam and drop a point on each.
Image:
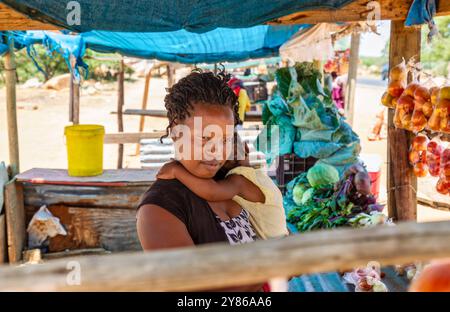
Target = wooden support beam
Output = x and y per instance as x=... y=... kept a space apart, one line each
x=148 y=76
x=401 y=184
x=11 y=109
x=359 y=10
x=15 y=220
x=3 y=240
x=351 y=78
x=120 y=104
x=208 y=267
x=124 y=138
x=12 y=20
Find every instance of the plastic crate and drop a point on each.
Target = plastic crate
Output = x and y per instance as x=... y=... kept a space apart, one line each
x=289 y=167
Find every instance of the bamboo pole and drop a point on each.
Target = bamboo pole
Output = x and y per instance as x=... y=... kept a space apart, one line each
x=148 y=76
x=221 y=265
x=120 y=103
x=351 y=79
x=401 y=184
x=11 y=109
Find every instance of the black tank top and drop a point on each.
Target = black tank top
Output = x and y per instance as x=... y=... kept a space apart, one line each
x=199 y=219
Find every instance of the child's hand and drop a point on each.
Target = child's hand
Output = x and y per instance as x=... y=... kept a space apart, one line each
x=168 y=171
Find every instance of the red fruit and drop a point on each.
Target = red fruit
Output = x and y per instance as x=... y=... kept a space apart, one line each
x=442 y=186
x=419 y=143
x=411 y=89
x=420 y=170
x=395 y=88
x=434 y=170
x=406 y=103
x=433 y=147
x=422 y=93
x=414 y=157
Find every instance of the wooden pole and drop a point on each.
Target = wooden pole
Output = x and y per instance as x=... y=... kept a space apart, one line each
x=170 y=75
x=401 y=184
x=11 y=109
x=74 y=106
x=120 y=103
x=351 y=78
x=148 y=76
x=215 y=266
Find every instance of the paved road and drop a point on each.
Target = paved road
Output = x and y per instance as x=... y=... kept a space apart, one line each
x=372 y=82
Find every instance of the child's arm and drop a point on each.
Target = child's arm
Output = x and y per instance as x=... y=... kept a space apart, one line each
x=207 y=189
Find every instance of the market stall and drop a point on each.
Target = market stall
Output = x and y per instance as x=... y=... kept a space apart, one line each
x=407 y=241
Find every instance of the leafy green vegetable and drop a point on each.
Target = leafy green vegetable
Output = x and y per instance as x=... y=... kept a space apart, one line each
x=298 y=192
x=307 y=196
x=322 y=174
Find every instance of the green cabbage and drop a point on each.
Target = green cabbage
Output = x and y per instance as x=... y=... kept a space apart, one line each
x=322 y=174
x=308 y=195
x=297 y=193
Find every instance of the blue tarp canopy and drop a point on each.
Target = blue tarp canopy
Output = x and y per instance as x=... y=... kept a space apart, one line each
x=163 y=15
x=172 y=15
x=219 y=45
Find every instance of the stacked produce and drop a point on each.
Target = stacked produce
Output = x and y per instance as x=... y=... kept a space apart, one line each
x=418 y=155
x=431 y=157
x=308 y=122
x=318 y=199
x=416 y=107
x=397 y=84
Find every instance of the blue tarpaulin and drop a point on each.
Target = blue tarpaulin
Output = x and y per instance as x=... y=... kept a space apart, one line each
x=173 y=15
x=219 y=45
x=163 y=15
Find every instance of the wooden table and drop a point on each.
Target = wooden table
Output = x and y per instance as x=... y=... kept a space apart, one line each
x=97 y=212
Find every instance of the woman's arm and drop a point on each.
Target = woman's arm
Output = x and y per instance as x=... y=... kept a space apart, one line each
x=159 y=229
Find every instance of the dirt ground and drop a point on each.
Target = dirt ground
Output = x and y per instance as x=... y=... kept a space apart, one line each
x=42 y=115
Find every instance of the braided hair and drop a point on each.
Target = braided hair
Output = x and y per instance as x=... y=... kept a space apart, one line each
x=199 y=87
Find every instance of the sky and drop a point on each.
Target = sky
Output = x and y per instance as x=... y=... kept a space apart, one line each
x=372 y=44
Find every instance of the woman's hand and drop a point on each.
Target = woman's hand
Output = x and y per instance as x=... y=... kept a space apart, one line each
x=168 y=171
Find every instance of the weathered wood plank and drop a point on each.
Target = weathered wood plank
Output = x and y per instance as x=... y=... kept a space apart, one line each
x=123 y=177
x=359 y=10
x=13 y=20
x=15 y=220
x=3 y=239
x=95 y=197
x=111 y=229
x=118 y=138
x=75 y=253
x=402 y=184
x=208 y=266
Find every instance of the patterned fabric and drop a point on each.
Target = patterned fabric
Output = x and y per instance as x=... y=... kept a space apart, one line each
x=238 y=229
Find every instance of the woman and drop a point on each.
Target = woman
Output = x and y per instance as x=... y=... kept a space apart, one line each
x=170 y=215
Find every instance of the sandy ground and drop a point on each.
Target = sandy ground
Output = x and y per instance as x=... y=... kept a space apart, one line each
x=42 y=115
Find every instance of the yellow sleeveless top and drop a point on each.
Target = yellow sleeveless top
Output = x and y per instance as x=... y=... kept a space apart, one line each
x=268 y=219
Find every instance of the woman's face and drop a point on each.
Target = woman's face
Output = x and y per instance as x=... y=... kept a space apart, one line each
x=206 y=141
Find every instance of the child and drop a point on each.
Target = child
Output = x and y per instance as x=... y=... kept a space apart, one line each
x=266 y=216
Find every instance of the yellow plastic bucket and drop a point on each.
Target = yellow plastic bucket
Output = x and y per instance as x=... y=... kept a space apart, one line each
x=84 y=150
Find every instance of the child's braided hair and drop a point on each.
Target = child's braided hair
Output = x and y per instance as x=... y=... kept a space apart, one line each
x=199 y=87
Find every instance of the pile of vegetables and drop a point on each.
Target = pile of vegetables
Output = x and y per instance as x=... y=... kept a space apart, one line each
x=318 y=199
x=307 y=121
x=430 y=156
